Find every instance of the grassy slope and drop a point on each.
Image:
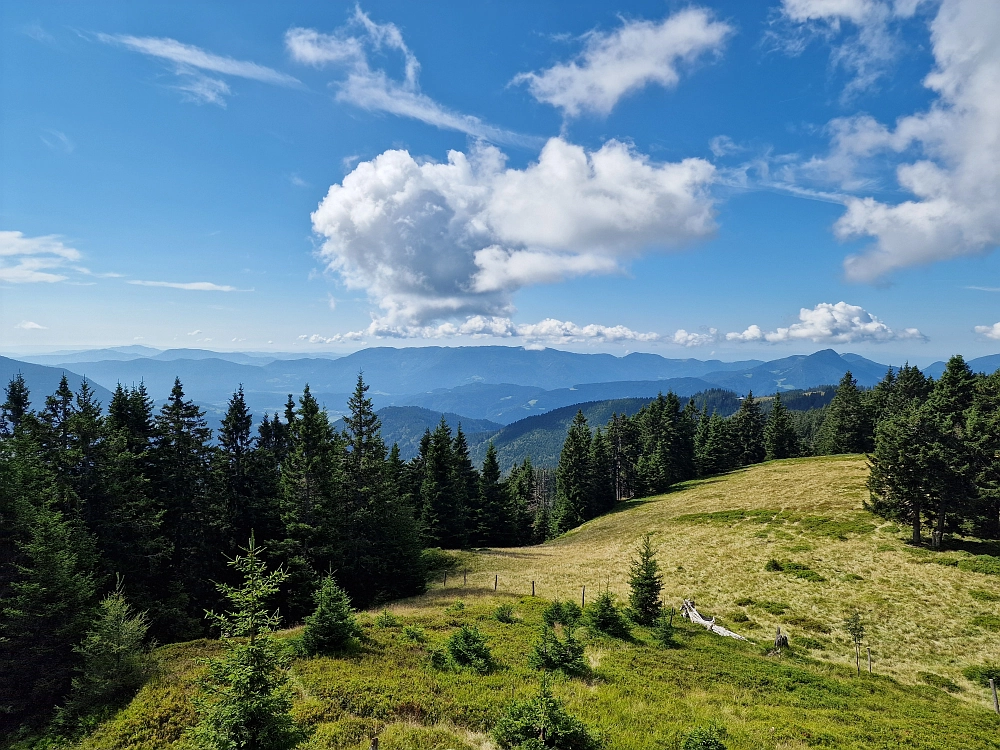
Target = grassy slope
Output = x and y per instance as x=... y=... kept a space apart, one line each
x=642 y=697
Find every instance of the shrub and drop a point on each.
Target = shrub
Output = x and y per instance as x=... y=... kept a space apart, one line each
x=386 y=619
x=986 y=564
x=332 y=625
x=773 y=566
x=982 y=673
x=504 y=613
x=984 y=596
x=664 y=632
x=542 y=722
x=414 y=633
x=704 y=738
x=455 y=607
x=467 y=648
x=566 y=613
x=938 y=681
x=115 y=660
x=552 y=654
x=986 y=622
x=645 y=584
x=746 y=601
x=773 y=608
x=603 y=616
x=798 y=570
x=739 y=616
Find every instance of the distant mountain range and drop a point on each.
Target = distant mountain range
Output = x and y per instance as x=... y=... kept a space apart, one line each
x=495 y=383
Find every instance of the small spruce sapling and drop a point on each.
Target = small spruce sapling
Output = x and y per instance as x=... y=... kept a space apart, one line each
x=664 y=632
x=467 y=647
x=645 y=584
x=855 y=628
x=542 y=722
x=604 y=616
x=550 y=653
x=245 y=701
x=332 y=625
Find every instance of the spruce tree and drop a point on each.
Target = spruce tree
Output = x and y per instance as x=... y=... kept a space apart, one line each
x=645 y=584
x=602 y=488
x=245 y=701
x=780 y=438
x=847 y=427
x=332 y=625
x=573 y=478
x=748 y=432
x=442 y=520
x=16 y=406
x=492 y=522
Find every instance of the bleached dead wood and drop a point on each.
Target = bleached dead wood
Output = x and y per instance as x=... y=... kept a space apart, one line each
x=689 y=611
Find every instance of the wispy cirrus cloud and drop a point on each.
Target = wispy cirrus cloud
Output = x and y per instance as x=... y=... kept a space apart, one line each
x=191 y=286
x=615 y=64
x=192 y=64
x=374 y=89
x=28 y=260
x=30 y=325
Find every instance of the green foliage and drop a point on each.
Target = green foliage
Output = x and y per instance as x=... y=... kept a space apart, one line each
x=985 y=564
x=704 y=738
x=542 y=722
x=567 y=614
x=332 y=625
x=414 y=634
x=781 y=440
x=386 y=619
x=645 y=584
x=551 y=654
x=987 y=622
x=467 y=647
x=981 y=674
x=984 y=596
x=797 y=570
x=664 y=632
x=115 y=661
x=939 y=681
x=245 y=699
x=772 y=608
x=604 y=616
x=505 y=613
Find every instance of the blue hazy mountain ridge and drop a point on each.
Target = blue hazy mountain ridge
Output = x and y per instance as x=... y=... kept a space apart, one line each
x=799 y=371
x=43 y=381
x=508 y=402
x=989 y=363
x=405 y=426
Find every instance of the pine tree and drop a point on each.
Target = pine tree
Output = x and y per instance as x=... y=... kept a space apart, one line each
x=748 y=432
x=645 y=583
x=602 y=487
x=237 y=472
x=115 y=660
x=573 y=478
x=464 y=482
x=847 y=427
x=332 y=625
x=780 y=438
x=245 y=701
x=716 y=452
x=442 y=521
x=493 y=522
x=17 y=405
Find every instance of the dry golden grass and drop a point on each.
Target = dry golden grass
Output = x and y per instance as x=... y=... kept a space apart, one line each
x=918 y=613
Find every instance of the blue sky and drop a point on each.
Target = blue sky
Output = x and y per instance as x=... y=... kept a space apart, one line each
x=723 y=179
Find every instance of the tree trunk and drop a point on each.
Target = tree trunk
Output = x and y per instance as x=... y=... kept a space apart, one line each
x=938 y=534
x=916 y=524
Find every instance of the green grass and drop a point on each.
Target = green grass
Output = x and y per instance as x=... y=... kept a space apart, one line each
x=986 y=564
x=642 y=697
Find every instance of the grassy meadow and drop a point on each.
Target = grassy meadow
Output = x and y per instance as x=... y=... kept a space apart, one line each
x=927 y=617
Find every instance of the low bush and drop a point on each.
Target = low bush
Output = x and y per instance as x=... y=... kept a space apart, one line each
x=566 y=613
x=604 y=616
x=704 y=738
x=467 y=648
x=385 y=619
x=984 y=596
x=414 y=634
x=773 y=608
x=938 y=681
x=552 y=654
x=987 y=622
x=981 y=674
x=808 y=623
x=745 y=601
x=986 y=564
x=332 y=625
x=798 y=570
x=504 y=613
x=542 y=722
x=664 y=630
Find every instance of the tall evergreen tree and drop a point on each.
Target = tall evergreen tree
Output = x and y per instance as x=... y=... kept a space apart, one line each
x=645 y=583
x=748 y=432
x=442 y=520
x=493 y=523
x=847 y=427
x=602 y=484
x=780 y=437
x=573 y=478
x=16 y=406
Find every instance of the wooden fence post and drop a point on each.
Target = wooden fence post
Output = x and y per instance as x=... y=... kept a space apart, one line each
x=532 y=588
x=583 y=598
x=465 y=578
x=869 y=660
x=496 y=581
x=445 y=582
x=993 y=689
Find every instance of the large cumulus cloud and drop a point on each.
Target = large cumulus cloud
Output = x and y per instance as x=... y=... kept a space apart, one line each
x=431 y=240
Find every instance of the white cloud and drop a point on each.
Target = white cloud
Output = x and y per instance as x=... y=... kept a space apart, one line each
x=29 y=325
x=58 y=141
x=549 y=330
x=866 y=50
x=374 y=89
x=956 y=184
x=617 y=63
x=830 y=324
x=25 y=260
x=431 y=241
x=990 y=332
x=723 y=145
x=193 y=286
x=194 y=332
x=683 y=338
x=190 y=64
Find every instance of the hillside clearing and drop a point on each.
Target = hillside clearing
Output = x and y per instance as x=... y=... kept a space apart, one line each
x=715 y=537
